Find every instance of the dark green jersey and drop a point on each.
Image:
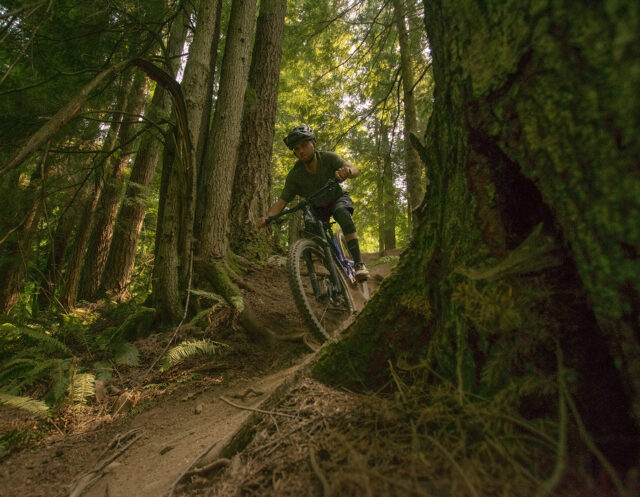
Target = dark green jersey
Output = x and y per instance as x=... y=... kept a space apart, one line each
x=300 y=182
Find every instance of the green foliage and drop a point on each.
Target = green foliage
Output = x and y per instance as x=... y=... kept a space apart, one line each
x=82 y=387
x=187 y=349
x=125 y=354
x=339 y=77
x=63 y=359
x=104 y=371
x=34 y=406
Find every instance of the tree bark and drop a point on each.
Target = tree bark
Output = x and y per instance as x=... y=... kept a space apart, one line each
x=252 y=184
x=198 y=91
x=122 y=252
x=527 y=215
x=413 y=166
x=218 y=169
x=100 y=240
x=388 y=195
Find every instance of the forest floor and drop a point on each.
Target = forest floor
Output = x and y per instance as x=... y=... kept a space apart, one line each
x=143 y=434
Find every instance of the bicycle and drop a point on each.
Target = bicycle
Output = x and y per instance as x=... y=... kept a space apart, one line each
x=319 y=271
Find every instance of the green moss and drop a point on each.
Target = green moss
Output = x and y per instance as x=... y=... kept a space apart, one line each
x=218 y=276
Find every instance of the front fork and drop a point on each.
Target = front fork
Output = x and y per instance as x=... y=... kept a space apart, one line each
x=318 y=292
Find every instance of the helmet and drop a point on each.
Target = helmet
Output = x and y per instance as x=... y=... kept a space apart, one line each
x=299 y=134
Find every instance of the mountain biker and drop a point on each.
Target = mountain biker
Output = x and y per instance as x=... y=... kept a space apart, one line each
x=310 y=173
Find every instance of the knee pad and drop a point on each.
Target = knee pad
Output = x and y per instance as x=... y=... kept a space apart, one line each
x=343 y=217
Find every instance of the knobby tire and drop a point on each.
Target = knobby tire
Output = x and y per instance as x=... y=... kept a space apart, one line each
x=314 y=313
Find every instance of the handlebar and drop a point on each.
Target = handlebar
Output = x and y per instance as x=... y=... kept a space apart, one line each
x=303 y=203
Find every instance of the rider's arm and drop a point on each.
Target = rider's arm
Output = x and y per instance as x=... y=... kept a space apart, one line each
x=276 y=208
x=346 y=171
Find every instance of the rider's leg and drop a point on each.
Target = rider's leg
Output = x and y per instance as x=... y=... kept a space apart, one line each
x=343 y=216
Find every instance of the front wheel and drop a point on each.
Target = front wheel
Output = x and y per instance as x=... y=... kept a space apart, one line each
x=324 y=305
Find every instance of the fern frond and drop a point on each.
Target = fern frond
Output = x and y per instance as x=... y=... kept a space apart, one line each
x=34 y=406
x=104 y=371
x=125 y=354
x=83 y=386
x=16 y=368
x=189 y=349
x=60 y=379
x=49 y=343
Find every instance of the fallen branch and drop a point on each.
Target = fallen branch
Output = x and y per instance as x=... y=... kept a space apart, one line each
x=188 y=469
x=88 y=479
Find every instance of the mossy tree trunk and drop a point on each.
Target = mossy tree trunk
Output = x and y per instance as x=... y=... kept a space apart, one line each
x=252 y=182
x=528 y=236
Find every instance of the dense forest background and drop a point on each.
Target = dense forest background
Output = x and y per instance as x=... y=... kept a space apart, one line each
x=497 y=141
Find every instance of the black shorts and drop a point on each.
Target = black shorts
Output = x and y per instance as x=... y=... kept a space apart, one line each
x=326 y=211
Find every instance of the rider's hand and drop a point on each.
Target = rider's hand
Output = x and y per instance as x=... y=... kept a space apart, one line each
x=261 y=222
x=343 y=173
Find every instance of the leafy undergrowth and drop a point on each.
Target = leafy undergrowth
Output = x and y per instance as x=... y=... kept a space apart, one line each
x=73 y=373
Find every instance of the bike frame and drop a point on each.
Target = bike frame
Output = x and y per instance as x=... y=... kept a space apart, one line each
x=321 y=232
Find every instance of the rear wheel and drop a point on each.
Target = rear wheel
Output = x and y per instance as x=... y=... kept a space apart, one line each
x=323 y=305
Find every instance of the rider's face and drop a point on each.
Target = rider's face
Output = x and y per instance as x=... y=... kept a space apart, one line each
x=304 y=150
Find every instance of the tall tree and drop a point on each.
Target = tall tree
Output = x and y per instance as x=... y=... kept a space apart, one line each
x=216 y=178
x=386 y=185
x=413 y=165
x=132 y=212
x=174 y=238
x=252 y=182
x=529 y=254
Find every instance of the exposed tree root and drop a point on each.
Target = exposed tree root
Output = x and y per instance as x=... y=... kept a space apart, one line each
x=122 y=444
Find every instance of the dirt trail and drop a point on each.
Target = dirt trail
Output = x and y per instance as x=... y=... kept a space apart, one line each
x=173 y=436
x=182 y=422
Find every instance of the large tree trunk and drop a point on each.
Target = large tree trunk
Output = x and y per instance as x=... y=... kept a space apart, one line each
x=386 y=193
x=124 y=245
x=110 y=195
x=531 y=237
x=413 y=166
x=252 y=183
x=198 y=92
x=218 y=169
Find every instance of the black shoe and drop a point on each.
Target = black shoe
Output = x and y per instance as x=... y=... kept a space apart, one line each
x=361 y=272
